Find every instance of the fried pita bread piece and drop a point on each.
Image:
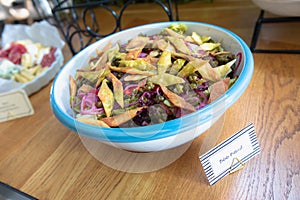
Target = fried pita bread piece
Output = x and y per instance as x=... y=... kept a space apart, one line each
x=178 y=101
x=73 y=90
x=107 y=97
x=218 y=88
x=93 y=122
x=118 y=89
x=117 y=120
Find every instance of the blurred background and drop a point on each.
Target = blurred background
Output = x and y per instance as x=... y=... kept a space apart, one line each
x=240 y=16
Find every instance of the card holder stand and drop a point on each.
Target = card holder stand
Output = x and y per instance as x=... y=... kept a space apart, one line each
x=240 y=166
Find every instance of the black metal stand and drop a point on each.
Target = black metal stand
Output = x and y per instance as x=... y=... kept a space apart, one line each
x=80 y=21
x=261 y=19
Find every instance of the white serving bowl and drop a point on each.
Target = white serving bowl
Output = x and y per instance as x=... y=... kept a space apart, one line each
x=159 y=136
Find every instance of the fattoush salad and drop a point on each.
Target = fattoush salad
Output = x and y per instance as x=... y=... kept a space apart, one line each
x=151 y=79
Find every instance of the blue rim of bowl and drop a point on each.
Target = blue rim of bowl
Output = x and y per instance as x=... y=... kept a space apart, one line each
x=170 y=128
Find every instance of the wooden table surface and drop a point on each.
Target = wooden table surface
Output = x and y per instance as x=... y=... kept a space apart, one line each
x=43 y=158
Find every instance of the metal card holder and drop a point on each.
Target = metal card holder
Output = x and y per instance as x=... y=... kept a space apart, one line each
x=240 y=166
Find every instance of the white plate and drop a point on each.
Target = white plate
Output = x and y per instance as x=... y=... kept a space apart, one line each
x=37 y=32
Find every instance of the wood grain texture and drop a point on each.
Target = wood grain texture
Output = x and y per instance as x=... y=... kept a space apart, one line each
x=43 y=158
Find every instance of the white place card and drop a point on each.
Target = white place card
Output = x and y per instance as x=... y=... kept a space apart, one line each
x=14 y=105
x=230 y=155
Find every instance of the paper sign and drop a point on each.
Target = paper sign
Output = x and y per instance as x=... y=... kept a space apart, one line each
x=14 y=105
x=230 y=155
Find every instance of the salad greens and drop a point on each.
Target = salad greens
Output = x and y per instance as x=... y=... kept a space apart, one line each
x=151 y=79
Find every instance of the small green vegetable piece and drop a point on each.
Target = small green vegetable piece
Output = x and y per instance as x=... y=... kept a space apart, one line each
x=177 y=65
x=179 y=28
x=197 y=38
x=223 y=70
x=232 y=81
x=193 y=85
x=187 y=70
x=159 y=98
x=200 y=39
x=209 y=46
x=205 y=38
x=149 y=86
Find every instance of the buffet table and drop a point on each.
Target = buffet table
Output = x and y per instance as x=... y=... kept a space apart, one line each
x=41 y=157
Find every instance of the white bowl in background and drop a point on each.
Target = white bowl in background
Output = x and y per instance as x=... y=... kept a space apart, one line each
x=280 y=7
